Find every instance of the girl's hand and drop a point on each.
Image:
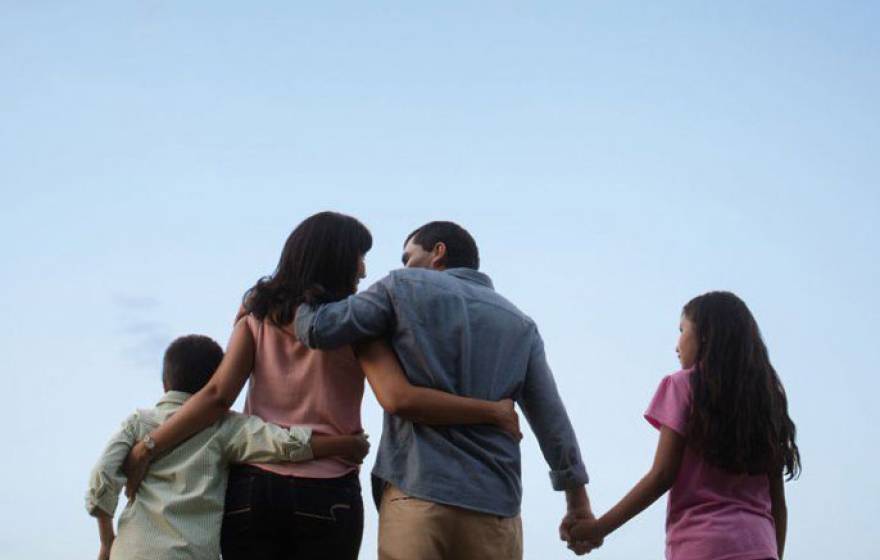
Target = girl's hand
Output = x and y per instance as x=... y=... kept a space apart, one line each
x=587 y=530
x=507 y=419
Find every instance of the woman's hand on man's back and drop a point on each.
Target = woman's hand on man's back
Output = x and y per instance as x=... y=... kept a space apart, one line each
x=507 y=419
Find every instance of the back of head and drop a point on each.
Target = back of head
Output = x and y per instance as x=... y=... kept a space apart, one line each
x=189 y=363
x=319 y=263
x=739 y=420
x=461 y=249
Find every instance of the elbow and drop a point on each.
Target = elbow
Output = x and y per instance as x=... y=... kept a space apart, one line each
x=390 y=407
x=663 y=478
x=397 y=403
x=217 y=401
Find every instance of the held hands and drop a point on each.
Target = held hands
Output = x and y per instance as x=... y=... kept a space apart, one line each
x=507 y=419
x=586 y=534
x=573 y=530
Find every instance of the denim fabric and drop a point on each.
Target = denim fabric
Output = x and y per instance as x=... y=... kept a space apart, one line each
x=274 y=517
x=453 y=332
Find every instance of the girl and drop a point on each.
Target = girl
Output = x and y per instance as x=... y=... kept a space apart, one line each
x=726 y=441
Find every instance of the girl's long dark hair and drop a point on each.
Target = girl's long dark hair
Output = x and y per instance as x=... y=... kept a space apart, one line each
x=319 y=263
x=739 y=419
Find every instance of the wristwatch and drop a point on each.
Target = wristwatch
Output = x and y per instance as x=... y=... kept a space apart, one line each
x=149 y=443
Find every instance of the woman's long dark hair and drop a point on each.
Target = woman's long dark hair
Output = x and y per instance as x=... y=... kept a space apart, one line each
x=319 y=263
x=739 y=419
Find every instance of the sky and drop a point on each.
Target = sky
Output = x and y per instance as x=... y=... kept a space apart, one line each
x=612 y=160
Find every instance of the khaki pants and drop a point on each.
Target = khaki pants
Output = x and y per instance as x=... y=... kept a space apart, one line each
x=414 y=529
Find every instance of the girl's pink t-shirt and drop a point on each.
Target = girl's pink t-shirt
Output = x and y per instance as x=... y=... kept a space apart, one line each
x=293 y=385
x=711 y=514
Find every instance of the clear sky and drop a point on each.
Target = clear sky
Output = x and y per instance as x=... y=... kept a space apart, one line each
x=612 y=160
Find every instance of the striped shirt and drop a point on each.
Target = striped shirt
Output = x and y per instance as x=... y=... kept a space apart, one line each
x=179 y=507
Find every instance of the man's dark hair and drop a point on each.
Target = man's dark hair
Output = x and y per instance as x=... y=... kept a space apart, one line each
x=461 y=249
x=189 y=363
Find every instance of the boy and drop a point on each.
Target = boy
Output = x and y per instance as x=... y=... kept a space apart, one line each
x=179 y=508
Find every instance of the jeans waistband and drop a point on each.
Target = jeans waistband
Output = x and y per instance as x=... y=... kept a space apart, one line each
x=344 y=481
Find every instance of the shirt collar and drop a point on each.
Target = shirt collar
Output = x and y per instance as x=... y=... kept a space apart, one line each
x=471 y=275
x=173 y=397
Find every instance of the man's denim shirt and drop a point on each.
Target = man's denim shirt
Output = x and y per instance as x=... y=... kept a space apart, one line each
x=453 y=332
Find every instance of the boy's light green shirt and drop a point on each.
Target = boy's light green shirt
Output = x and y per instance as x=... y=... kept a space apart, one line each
x=179 y=507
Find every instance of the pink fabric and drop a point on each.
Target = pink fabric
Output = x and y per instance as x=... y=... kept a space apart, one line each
x=291 y=385
x=711 y=513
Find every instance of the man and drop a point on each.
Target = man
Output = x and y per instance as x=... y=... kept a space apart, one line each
x=455 y=492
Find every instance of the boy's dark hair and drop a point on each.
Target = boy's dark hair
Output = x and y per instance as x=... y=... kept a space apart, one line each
x=461 y=249
x=739 y=419
x=189 y=363
x=319 y=263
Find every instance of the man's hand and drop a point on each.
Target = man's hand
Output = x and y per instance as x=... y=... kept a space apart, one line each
x=571 y=518
x=135 y=468
x=507 y=419
x=585 y=535
x=573 y=530
x=578 y=511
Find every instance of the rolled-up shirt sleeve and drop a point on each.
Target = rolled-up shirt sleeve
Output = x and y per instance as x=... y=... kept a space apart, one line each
x=365 y=315
x=107 y=479
x=545 y=412
x=250 y=439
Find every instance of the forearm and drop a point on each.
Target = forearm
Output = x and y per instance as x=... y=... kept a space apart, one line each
x=661 y=477
x=543 y=407
x=780 y=519
x=361 y=316
x=396 y=395
x=779 y=511
x=330 y=446
x=642 y=495
x=576 y=499
x=105 y=528
x=438 y=408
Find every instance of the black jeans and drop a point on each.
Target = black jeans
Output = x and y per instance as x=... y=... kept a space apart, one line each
x=273 y=517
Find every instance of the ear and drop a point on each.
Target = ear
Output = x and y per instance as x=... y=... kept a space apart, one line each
x=438 y=256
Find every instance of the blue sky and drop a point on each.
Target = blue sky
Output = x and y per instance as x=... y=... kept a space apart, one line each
x=612 y=160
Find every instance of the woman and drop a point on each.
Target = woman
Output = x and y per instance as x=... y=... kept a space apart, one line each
x=313 y=509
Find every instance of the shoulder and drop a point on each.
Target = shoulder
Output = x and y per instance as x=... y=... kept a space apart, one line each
x=677 y=384
x=142 y=420
x=418 y=275
x=671 y=402
x=681 y=378
x=420 y=283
